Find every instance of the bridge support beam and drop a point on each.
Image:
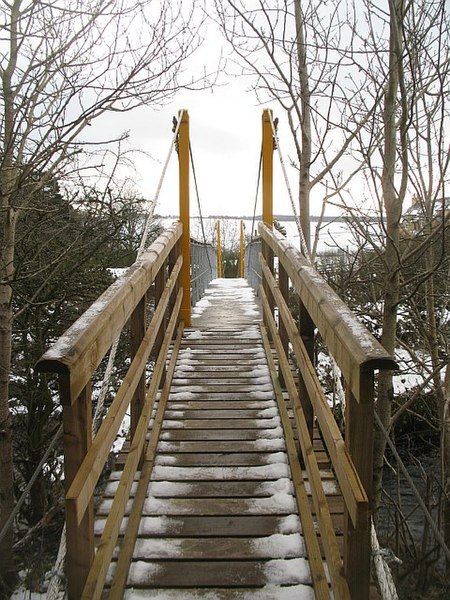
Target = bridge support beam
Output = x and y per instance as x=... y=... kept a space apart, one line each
x=185 y=241
x=267 y=168
x=267 y=195
x=241 y=250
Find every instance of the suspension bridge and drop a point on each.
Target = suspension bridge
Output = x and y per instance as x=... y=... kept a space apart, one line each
x=235 y=481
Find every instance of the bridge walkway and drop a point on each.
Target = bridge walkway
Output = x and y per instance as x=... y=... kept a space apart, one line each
x=220 y=517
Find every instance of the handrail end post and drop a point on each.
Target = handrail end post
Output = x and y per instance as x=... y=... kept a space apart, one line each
x=77 y=426
x=359 y=441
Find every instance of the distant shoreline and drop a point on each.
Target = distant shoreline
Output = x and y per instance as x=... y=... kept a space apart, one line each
x=313 y=218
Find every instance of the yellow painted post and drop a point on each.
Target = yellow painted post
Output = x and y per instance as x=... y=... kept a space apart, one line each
x=267 y=168
x=219 y=251
x=185 y=240
x=241 y=252
x=267 y=194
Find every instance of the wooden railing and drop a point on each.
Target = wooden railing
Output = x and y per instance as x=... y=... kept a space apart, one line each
x=76 y=357
x=358 y=354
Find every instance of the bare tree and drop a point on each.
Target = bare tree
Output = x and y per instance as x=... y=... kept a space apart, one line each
x=406 y=154
x=371 y=80
x=62 y=65
x=300 y=54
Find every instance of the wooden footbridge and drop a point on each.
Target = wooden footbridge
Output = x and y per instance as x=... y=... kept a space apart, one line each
x=235 y=481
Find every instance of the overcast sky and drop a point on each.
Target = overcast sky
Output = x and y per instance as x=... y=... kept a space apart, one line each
x=225 y=132
x=225 y=129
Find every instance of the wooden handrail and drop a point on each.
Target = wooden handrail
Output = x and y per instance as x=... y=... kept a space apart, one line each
x=76 y=356
x=323 y=516
x=80 y=350
x=83 y=485
x=352 y=345
x=358 y=354
x=353 y=492
x=98 y=572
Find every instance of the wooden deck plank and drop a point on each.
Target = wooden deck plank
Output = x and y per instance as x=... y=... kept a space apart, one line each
x=248 y=573
x=220 y=515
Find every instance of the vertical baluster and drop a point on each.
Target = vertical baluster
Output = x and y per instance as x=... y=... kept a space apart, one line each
x=160 y=284
x=283 y=283
x=185 y=242
x=306 y=329
x=137 y=332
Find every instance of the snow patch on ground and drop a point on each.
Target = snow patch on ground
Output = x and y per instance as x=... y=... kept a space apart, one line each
x=164 y=459
x=195 y=335
x=279 y=546
x=282 y=485
x=277 y=457
x=290 y=524
x=168 y=488
x=268 y=412
x=294 y=570
x=276 y=433
x=168 y=424
x=277 y=504
x=177 y=396
x=142 y=573
x=269 y=444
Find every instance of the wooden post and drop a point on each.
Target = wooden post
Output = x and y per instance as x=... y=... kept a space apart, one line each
x=137 y=332
x=160 y=284
x=77 y=426
x=267 y=168
x=283 y=284
x=173 y=256
x=241 y=251
x=306 y=329
x=219 y=251
x=185 y=242
x=267 y=194
x=359 y=441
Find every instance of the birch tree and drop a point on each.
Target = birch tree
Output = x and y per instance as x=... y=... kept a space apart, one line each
x=63 y=65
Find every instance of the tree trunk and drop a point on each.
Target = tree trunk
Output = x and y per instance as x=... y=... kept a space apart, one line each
x=445 y=453
x=8 y=220
x=305 y=98
x=393 y=208
x=6 y=454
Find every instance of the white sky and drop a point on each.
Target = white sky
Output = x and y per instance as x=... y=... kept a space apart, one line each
x=225 y=130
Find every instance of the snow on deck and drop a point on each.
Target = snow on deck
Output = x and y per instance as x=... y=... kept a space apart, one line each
x=226 y=302
x=220 y=519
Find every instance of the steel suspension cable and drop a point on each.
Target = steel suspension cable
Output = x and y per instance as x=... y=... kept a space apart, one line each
x=160 y=183
x=258 y=182
x=112 y=353
x=199 y=206
x=303 y=245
